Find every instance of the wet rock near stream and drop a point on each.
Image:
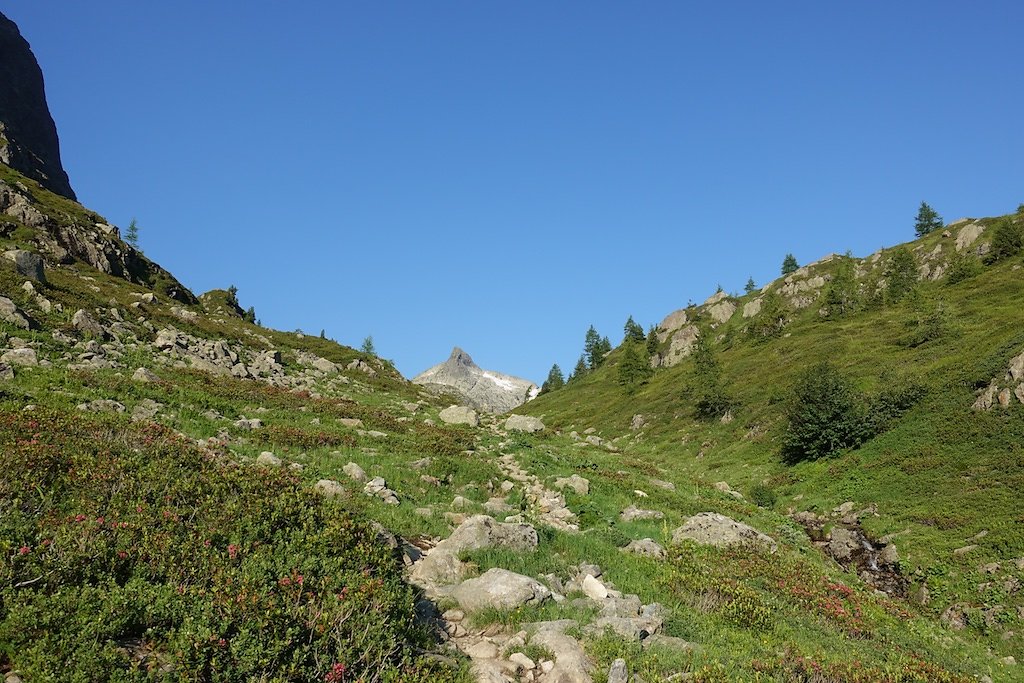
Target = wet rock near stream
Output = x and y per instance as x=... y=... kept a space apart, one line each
x=876 y=562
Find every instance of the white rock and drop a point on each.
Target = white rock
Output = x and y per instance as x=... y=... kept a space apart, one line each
x=594 y=589
x=459 y=415
x=268 y=459
x=354 y=472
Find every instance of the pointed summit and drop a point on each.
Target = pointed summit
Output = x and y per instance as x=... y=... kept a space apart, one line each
x=482 y=389
x=462 y=358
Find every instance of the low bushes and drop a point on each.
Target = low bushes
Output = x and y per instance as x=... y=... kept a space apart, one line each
x=129 y=553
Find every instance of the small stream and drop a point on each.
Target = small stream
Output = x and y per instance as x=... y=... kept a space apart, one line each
x=875 y=562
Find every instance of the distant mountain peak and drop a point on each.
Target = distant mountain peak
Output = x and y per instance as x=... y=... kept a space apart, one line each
x=482 y=389
x=461 y=357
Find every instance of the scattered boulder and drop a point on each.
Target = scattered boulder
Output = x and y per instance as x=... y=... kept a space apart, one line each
x=86 y=324
x=27 y=264
x=646 y=547
x=722 y=311
x=9 y=313
x=146 y=409
x=354 y=472
x=268 y=459
x=751 y=308
x=633 y=513
x=618 y=673
x=500 y=589
x=378 y=488
x=711 y=528
x=102 y=405
x=658 y=640
x=459 y=415
x=593 y=588
x=6 y=372
x=361 y=366
x=441 y=567
x=967 y=235
x=524 y=423
x=575 y=482
x=329 y=488
x=843 y=544
x=145 y=375
x=572 y=665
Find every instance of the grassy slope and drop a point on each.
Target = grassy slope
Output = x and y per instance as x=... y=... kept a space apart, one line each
x=752 y=619
x=943 y=474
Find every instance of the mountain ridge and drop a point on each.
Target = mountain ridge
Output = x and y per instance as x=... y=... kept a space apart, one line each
x=482 y=389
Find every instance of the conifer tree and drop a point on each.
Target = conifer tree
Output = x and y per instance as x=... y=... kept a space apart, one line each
x=592 y=348
x=900 y=275
x=652 y=340
x=842 y=296
x=634 y=368
x=555 y=380
x=927 y=220
x=750 y=286
x=710 y=398
x=789 y=264
x=367 y=346
x=578 y=372
x=633 y=331
x=1007 y=241
x=131 y=235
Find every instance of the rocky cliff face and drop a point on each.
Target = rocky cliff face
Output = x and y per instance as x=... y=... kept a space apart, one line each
x=482 y=389
x=28 y=136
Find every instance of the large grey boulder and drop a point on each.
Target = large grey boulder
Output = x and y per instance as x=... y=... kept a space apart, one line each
x=524 y=423
x=633 y=513
x=354 y=472
x=572 y=665
x=330 y=488
x=482 y=389
x=967 y=235
x=619 y=673
x=102 y=405
x=9 y=313
x=145 y=376
x=499 y=589
x=680 y=346
x=722 y=311
x=459 y=415
x=441 y=567
x=27 y=263
x=481 y=531
x=646 y=547
x=26 y=357
x=579 y=484
x=711 y=528
x=86 y=324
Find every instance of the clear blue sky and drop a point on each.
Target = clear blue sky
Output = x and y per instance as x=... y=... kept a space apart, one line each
x=501 y=175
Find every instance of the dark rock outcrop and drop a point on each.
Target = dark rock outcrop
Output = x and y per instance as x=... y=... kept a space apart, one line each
x=64 y=232
x=28 y=136
x=482 y=389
